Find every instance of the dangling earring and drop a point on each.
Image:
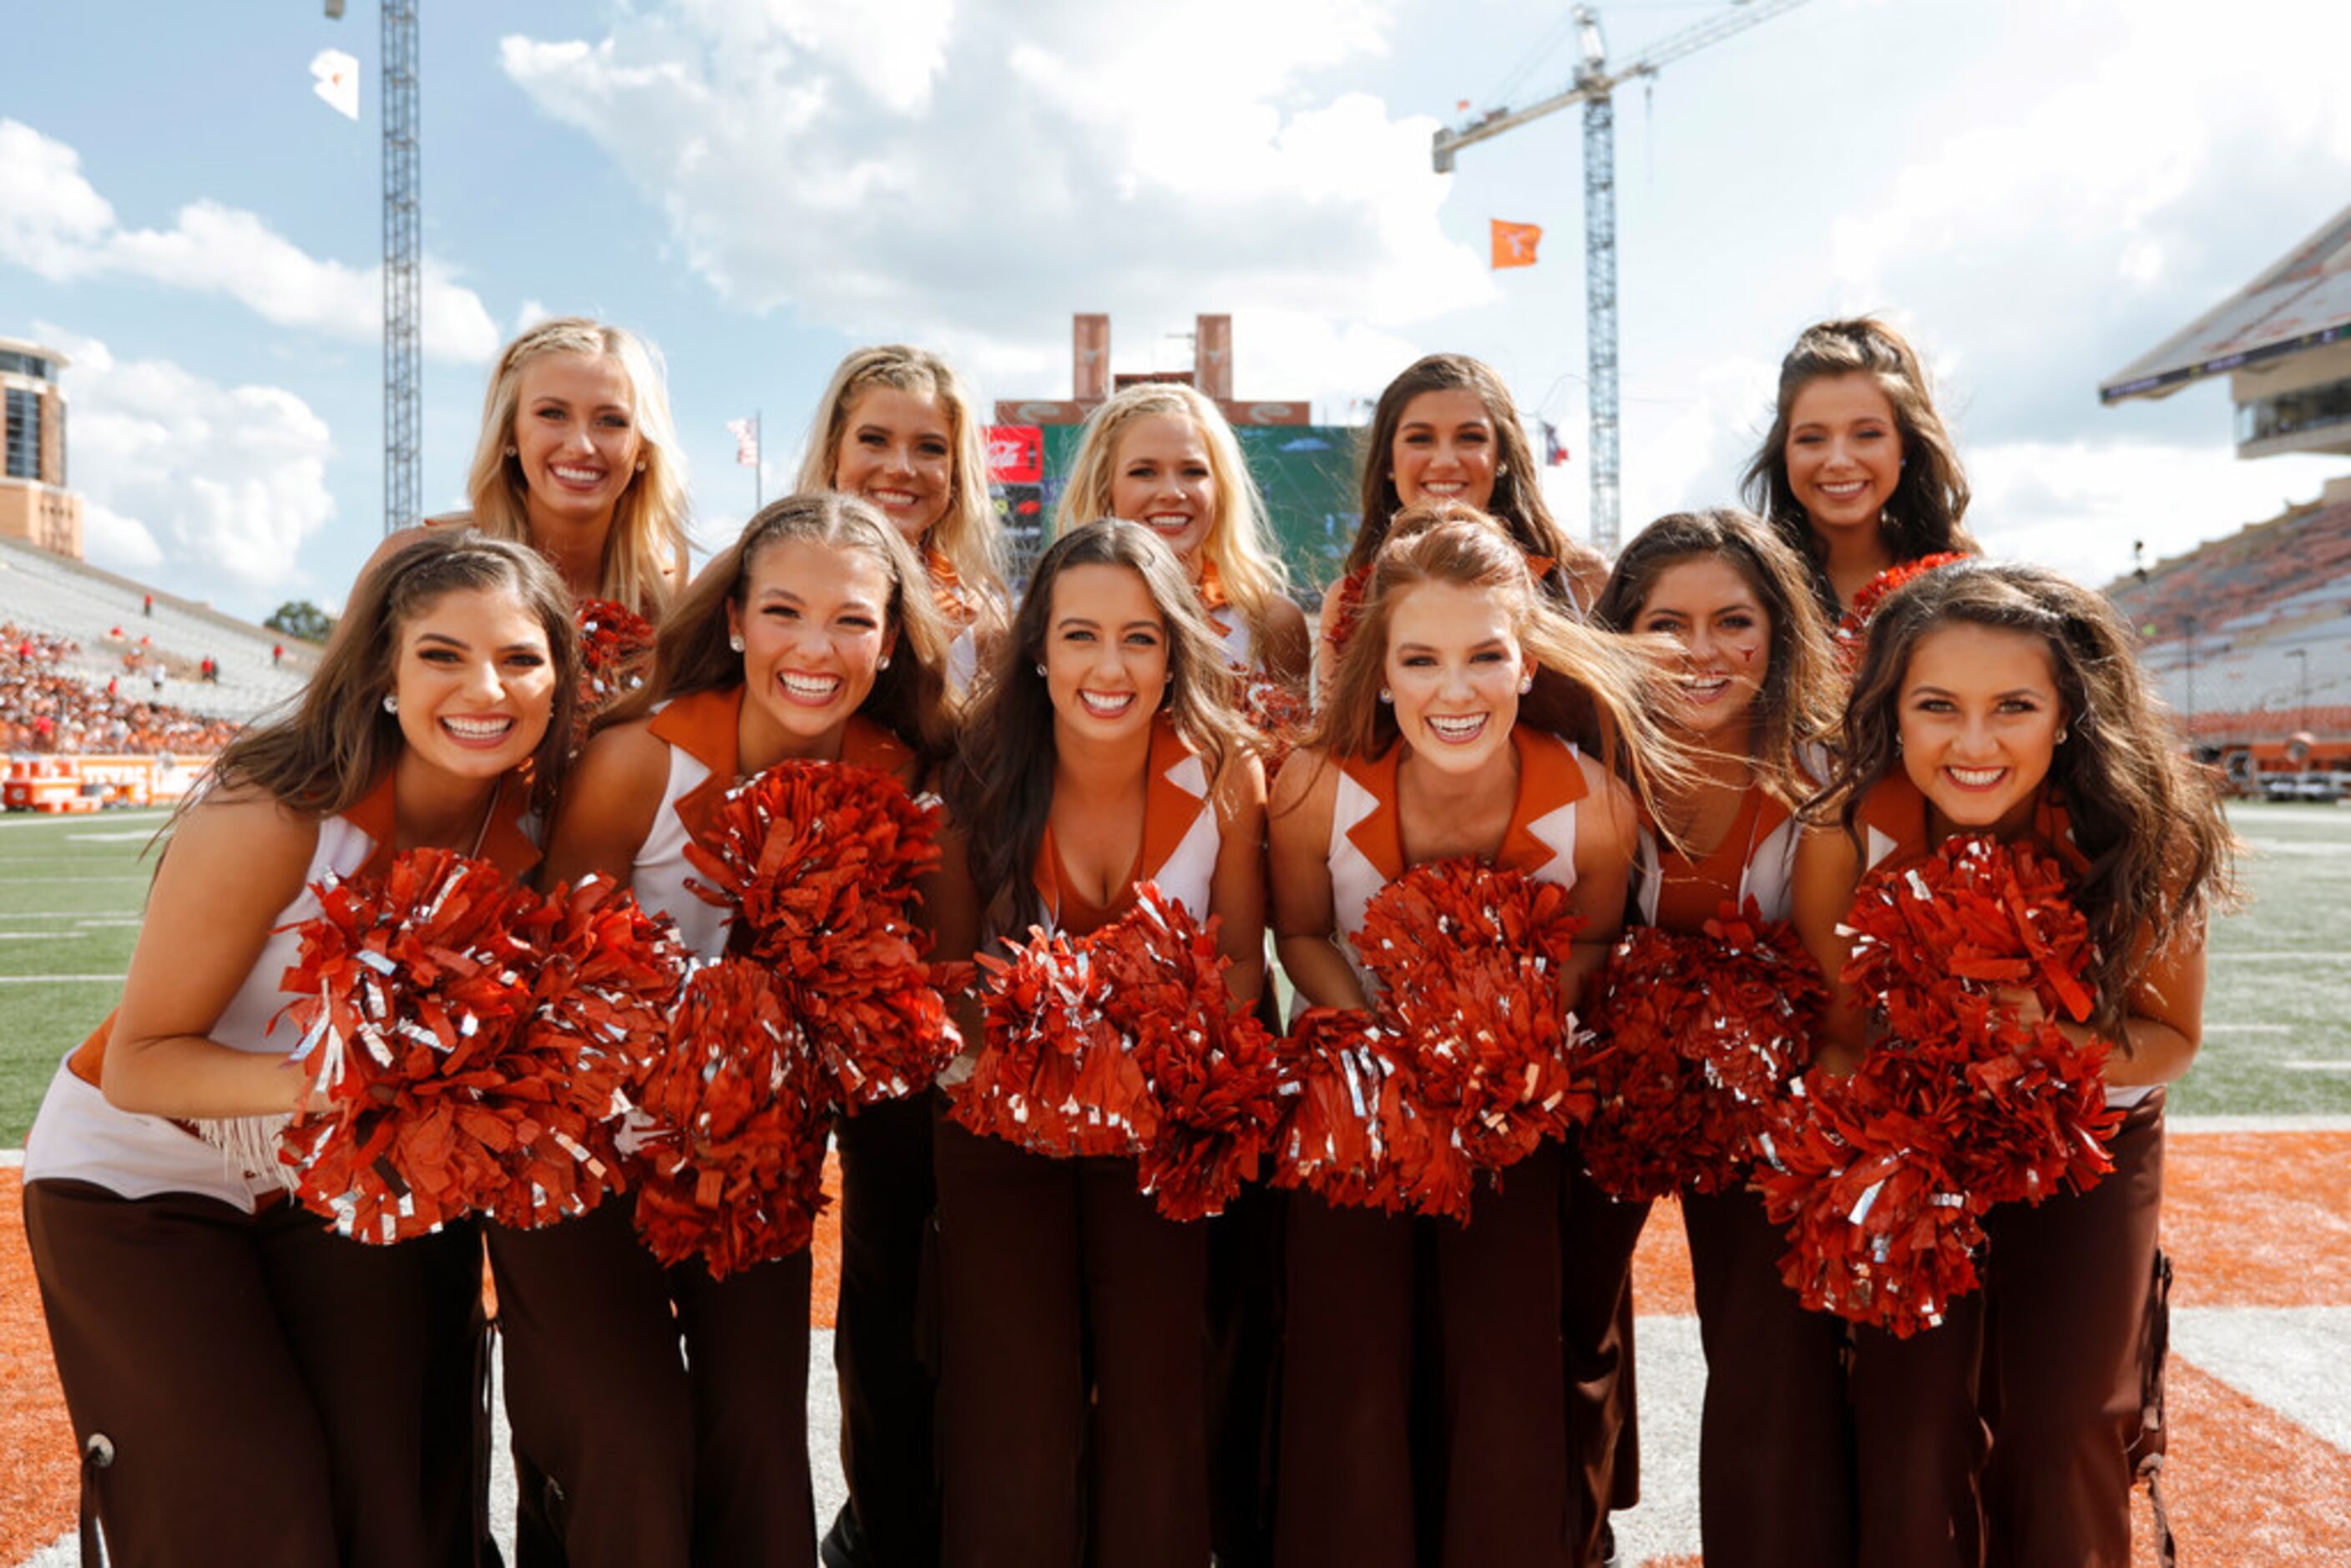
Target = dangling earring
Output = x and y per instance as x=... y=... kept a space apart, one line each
x=1897 y=745
x=1386 y=695
x=883 y=662
x=391 y=703
x=734 y=641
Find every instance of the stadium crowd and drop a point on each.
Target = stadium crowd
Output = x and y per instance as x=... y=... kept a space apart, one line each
x=46 y=710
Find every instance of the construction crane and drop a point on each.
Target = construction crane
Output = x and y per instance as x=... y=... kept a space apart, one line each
x=403 y=316
x=1595 y=87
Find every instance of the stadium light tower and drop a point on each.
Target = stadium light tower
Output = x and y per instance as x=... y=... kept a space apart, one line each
x=1595 y=87
x=403 y=315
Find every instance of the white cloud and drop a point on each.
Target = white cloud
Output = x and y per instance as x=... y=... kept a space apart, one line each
x=217 y=486
x=1002 y=162
x=114 y=540
x=55 y=222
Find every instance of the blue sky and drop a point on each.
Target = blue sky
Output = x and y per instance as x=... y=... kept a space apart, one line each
x=2038 y=189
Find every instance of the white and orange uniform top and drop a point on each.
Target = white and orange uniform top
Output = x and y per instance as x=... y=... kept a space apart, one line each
x=1756 y=858
x=1893 y=826
x=700 y=728
x=1233 y=634
x=1367 y=836
x=78 y=1136
x=959 y=607
x=1181 y=839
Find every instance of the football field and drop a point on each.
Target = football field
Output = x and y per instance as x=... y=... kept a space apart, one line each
x=2257 y=1208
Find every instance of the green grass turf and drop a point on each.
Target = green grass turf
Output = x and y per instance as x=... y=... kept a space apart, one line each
x=2277 y=1011
x=71 y=889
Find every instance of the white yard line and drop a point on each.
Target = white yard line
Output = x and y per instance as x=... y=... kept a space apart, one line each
x=2291 y=1359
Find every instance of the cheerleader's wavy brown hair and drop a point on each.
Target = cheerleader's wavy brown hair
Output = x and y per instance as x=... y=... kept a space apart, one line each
x=1924 y=516
x=1592 y=686
x=326 y=754
x=1796 y=704
x=2145 y=818
x=1001 y=789
x=1518 y=501
x=691 y=652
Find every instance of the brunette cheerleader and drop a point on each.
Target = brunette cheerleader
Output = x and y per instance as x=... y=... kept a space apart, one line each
x=1753 y=670
x=813 y=637
x=578 y=458
x=2003 y=701
x=897 y=427
x=1858 y=472
x=1447 y=430
x=1441 y=739
x=246 y=1385
x=1073 y=1380
x=1164 y=456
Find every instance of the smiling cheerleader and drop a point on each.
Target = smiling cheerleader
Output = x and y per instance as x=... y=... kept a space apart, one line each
x=1858 y=472
x=1104 y=755
x=1733 y=606
x=668 y=1405
x=898 y=429
x=2006 y=703
x=1447 y=430
x=246 y=1385
x=1440 y=746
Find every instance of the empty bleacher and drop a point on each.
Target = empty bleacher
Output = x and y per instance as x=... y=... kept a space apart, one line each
x=2249 y=637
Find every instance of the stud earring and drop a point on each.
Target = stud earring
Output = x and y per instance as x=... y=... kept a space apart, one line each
x=883 y=662
x=735 y=642
x=391 y=703
x=641 y=464
x=1386 y=695
x=1526 y=684
x=1041 y=669
x=2062 y=733
x=510 y=452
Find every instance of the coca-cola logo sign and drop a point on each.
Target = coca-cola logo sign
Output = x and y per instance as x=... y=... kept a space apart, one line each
x=1015 y=453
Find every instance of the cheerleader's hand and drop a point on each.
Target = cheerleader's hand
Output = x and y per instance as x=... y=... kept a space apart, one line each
x=2021 y=1003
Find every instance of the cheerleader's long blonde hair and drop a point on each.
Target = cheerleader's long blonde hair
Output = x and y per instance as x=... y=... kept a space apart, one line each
x=648 y=538
x=966 y=534
x=1240 y=541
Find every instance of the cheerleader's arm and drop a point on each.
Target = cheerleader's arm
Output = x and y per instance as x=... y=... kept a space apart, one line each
x=1285 y=647
x=233 y=867
x=1236 y=885
x=1305 y=914
x=1827 y=870
x=1607 y=838
x=609 y=801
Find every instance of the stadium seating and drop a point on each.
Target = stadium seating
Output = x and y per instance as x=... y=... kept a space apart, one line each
x=67 y=599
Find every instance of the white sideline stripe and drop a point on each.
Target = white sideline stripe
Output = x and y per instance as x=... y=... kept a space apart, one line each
x=61 y=979
x=2288 y=1358
x=1669 y=1375
x=2311 y=1122
x=12 y=1159
x=2220 y=955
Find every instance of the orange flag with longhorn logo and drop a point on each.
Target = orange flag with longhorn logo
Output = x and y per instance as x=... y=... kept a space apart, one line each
x=1514 y=244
